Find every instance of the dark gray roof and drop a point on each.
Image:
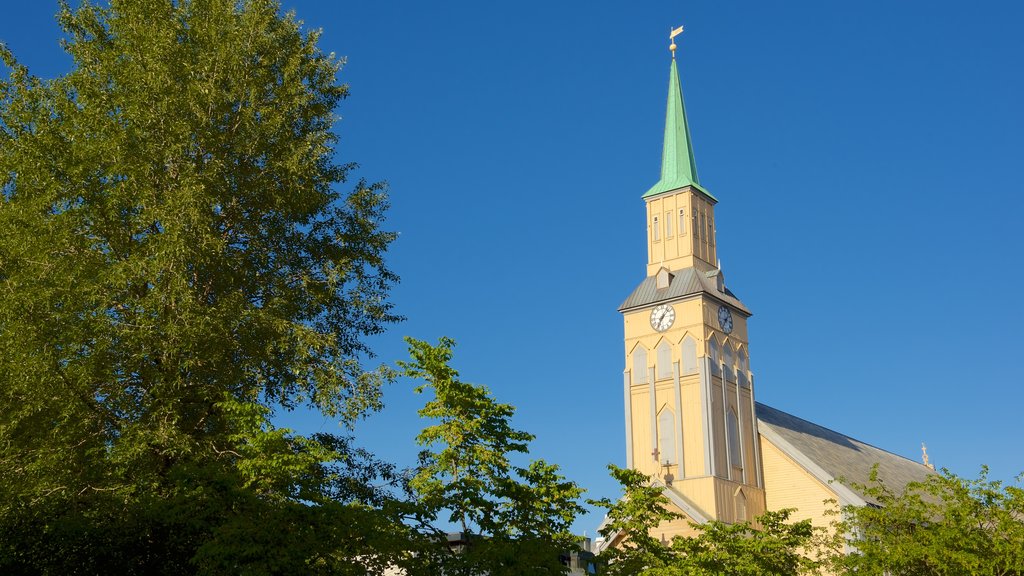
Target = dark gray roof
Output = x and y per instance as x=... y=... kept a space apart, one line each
x=841 y=457
x=685 y=282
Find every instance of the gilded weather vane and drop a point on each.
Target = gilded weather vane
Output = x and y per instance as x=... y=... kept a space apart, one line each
x=672 y=38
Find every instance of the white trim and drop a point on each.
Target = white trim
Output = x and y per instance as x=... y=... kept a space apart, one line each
x=654 y=416
x=725 y=419
x=705 y=399
x=757 y=434
x=846 y=496
x=628 y=417
x=679 y=423
x=739 y=430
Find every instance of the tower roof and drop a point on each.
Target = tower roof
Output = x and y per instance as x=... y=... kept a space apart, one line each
x=678 y=168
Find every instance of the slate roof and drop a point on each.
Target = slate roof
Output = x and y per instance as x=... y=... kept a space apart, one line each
x=839 y=456
x=685 y=282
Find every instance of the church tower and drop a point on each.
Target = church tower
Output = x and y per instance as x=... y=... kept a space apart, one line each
x=688 y=390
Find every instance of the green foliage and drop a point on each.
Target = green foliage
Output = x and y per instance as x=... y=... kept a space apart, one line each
x=642 y=508
x=944 y=525
x=175 y=264
x=516 y=519
x=770 y=546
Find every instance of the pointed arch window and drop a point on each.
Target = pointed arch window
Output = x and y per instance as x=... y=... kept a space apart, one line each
x=682 y=221
x=639 y=364
x=689 y=355
x=733 y=424
x=743 y=367
x=730 y=362
x=716 y=362
x=664 y=367
x=668 y=224
x=667 y=437
x=656 y=230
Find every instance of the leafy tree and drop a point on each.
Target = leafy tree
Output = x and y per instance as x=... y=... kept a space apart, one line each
x=770 y=546
x=944 y=525
x=516 y=520
x=630 y=520
x=176 y=263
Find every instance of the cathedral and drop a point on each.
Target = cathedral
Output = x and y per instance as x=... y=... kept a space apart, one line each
x=691 y=418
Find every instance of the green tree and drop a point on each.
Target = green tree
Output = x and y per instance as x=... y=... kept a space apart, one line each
x=943 y=525
x=769 y=546
x=515 y=519
x=176 y=263
x=630 y=521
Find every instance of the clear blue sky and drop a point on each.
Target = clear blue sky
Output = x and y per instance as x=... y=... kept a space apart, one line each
x=867 y=157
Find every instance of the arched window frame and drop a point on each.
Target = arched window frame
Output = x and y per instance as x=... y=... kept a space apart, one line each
x=689 y=355
x=733 y=433
x=730 y=361
x=663 y=354
x=743 y=366
x=714 y=355
x=639 y=364
x=741 y=506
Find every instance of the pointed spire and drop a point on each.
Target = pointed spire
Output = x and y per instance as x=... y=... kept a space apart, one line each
x=678 y=168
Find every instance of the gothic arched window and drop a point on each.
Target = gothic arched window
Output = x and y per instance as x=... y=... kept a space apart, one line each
x=716 y=359
x=733 y=424
x=639 y=364
x=730 y=361
x=744 y=367
x=664 y=367
x=689 y=355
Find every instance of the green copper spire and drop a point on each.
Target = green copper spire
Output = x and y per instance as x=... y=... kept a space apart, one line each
x=678 y=168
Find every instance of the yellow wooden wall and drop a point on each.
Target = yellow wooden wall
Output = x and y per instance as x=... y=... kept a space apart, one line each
x=789 y=485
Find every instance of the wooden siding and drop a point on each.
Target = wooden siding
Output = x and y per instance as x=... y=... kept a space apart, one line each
x=789 y=485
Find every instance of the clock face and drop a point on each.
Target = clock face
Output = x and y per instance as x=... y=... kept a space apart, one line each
x=725 y=319
x=662 y=317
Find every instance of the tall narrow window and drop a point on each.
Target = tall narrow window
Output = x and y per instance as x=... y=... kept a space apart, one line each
x=716 y=362
x=639 y=365
x=656 y=231
x=668 y=224
x=667 y=438
x=664 y=369
x=682 y=222
x=735 y=458
x=741 y=506
x=696 y=231
x=711 y=231
x=743 y=367
x=730 y=360
x=703 y=226
x=689 y=355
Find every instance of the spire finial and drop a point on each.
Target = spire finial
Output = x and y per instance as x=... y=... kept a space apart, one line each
x=924 y=456
x=673 y=32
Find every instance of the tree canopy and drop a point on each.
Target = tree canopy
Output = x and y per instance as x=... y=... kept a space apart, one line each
x=769 y=546
x=941 y=526
x=177 y=262
x=515 y=518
